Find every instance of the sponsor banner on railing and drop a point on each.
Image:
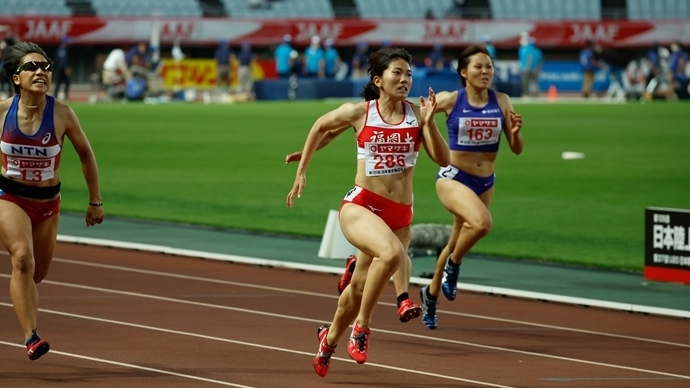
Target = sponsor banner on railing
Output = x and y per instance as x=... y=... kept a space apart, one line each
x=413 y=32
x=203 y=73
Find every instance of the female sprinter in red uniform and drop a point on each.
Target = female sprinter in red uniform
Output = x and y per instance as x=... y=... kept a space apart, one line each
x=376 y=214
x=407 y=310
x=34 y=127
x=476 y=116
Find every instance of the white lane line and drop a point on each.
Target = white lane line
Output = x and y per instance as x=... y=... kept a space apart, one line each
x=414 y=280
x=569 y=379
x=132 y=366
x=321 y=295
x=251 y=344
x=290 y=317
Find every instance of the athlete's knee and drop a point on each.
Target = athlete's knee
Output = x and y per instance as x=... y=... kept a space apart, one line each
x=23 y=262
x=480 y=226
x=356 y=285
x=392 y=256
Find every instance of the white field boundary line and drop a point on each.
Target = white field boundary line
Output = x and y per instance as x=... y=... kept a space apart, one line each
x=321 y=295
x=133 y=366
x=634 y=308
x=292 y=317
x=251 y=344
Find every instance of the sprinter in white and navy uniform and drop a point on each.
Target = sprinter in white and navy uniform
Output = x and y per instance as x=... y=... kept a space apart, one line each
x=34 y=126
x=476 y=118
x=473 y=129
x=375 y=216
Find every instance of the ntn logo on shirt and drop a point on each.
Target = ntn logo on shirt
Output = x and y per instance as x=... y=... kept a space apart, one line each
x=30 y=150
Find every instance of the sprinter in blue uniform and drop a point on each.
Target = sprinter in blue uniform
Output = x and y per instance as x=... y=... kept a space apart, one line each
x=476 y=117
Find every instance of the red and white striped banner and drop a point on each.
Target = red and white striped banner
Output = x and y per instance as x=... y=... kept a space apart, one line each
x=345 y=32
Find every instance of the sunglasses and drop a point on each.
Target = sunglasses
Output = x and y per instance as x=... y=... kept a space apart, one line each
x=33 y=66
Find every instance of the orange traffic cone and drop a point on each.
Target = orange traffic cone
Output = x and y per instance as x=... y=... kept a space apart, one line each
x=553 y=93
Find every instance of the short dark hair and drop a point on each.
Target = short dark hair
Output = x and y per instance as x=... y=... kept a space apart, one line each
x=12 y=56
x=378 y=63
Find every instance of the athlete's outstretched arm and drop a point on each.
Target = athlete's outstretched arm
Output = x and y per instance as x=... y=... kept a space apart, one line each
x=325 y=140
x=76 y=135
x=344 y=116
x=445 y=101
x=434 y=143
x=513 y=123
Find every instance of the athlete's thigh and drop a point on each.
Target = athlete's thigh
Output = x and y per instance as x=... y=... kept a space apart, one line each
x=461 y=201
x=404 y=235
x=15 y=227
x=45 y=236
x=367 y=231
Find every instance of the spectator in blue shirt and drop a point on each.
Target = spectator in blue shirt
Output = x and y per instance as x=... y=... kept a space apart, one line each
x=653 y=61
x=313 y=57
x=360 y=61
x=435 y=60
x=678 y=62
x=224 y=57
x=531 y=60
x=331 y=59
x=283 y=57
x=590 y=65
x=62 y=71
x=140 y=60
x=486 y=39
x=244 y=74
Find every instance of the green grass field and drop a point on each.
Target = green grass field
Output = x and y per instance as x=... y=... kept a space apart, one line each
x=222 y=165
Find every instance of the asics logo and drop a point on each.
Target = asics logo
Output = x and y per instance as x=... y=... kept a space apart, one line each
x=45 y=139
x=373 y=209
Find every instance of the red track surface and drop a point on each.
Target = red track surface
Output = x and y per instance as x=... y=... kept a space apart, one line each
x=119 y=318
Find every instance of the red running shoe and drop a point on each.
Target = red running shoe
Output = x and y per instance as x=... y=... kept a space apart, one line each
x=409 y=310
x=347 y=275
x=322 y=360
x=37 y=348
x=358 y=345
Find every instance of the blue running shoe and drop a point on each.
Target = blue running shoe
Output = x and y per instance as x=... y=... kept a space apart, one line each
x=428 y=309
x=449 y=285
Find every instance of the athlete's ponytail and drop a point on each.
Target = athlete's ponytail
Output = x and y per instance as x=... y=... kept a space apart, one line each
x=370 y=91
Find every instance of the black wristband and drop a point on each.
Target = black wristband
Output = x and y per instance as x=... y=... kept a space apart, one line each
x=95 y=203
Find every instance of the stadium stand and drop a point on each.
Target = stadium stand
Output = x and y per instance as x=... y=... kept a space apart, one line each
x=405 y=9
x=35 y=7
x=546 y=9
x=81 y=7
x=345 y=9
x=658 y=9
x=146 y=7
x=277 y=9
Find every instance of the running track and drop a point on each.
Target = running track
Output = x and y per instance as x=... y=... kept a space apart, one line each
x=119 y=318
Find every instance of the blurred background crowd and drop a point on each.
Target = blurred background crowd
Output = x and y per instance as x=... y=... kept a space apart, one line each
x=312 y=55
